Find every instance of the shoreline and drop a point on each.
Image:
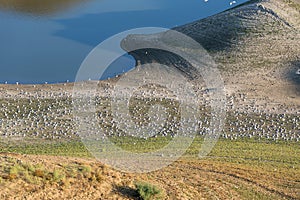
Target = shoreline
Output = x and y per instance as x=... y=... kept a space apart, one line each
x=241 y=93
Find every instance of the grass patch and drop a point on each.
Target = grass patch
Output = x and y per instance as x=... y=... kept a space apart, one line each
x=71 y=148
x=243 y=150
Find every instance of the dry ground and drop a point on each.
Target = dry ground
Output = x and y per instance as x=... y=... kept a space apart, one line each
x=185 y=179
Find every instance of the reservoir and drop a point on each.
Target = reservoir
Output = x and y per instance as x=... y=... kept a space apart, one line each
x=46 y=41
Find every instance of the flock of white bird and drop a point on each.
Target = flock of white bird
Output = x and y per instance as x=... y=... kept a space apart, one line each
x=230 y=3
x=49 y=115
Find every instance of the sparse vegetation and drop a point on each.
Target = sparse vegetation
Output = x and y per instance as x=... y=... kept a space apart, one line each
x=37 y=174
x=240 y=158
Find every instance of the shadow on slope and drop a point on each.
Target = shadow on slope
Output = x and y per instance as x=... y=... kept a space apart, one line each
x=293 y=77
x=127 y=192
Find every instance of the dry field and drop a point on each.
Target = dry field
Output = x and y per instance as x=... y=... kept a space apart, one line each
x=234 y=170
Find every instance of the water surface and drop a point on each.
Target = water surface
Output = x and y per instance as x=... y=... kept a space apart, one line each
x=46 y=41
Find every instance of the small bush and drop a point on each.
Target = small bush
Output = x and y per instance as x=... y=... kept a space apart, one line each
x=29 y=167
x=14 y=172
x=99 y=176
x=71 y=171
x=58 y=175
x=148 y=191
x=28 y=178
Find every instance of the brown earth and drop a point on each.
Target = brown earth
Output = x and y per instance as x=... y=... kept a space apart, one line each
x=185 y=179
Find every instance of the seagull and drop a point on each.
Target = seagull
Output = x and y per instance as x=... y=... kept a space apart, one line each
x=232 y=2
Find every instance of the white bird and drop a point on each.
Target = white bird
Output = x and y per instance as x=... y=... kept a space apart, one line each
x=232 y=2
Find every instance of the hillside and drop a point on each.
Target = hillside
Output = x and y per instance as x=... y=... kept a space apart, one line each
x=256 y=47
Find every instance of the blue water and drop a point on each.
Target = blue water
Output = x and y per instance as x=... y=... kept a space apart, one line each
x=50 y=47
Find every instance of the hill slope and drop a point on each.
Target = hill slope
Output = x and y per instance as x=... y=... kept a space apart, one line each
x=256 y=46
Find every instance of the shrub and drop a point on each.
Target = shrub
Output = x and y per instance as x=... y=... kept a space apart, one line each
x=14 y=172
x=30 y=168
x=148 y=191
x=58 y=175
x=28 y=178
x=99 y=176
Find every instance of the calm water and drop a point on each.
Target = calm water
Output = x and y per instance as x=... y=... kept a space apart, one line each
x=46 y=41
